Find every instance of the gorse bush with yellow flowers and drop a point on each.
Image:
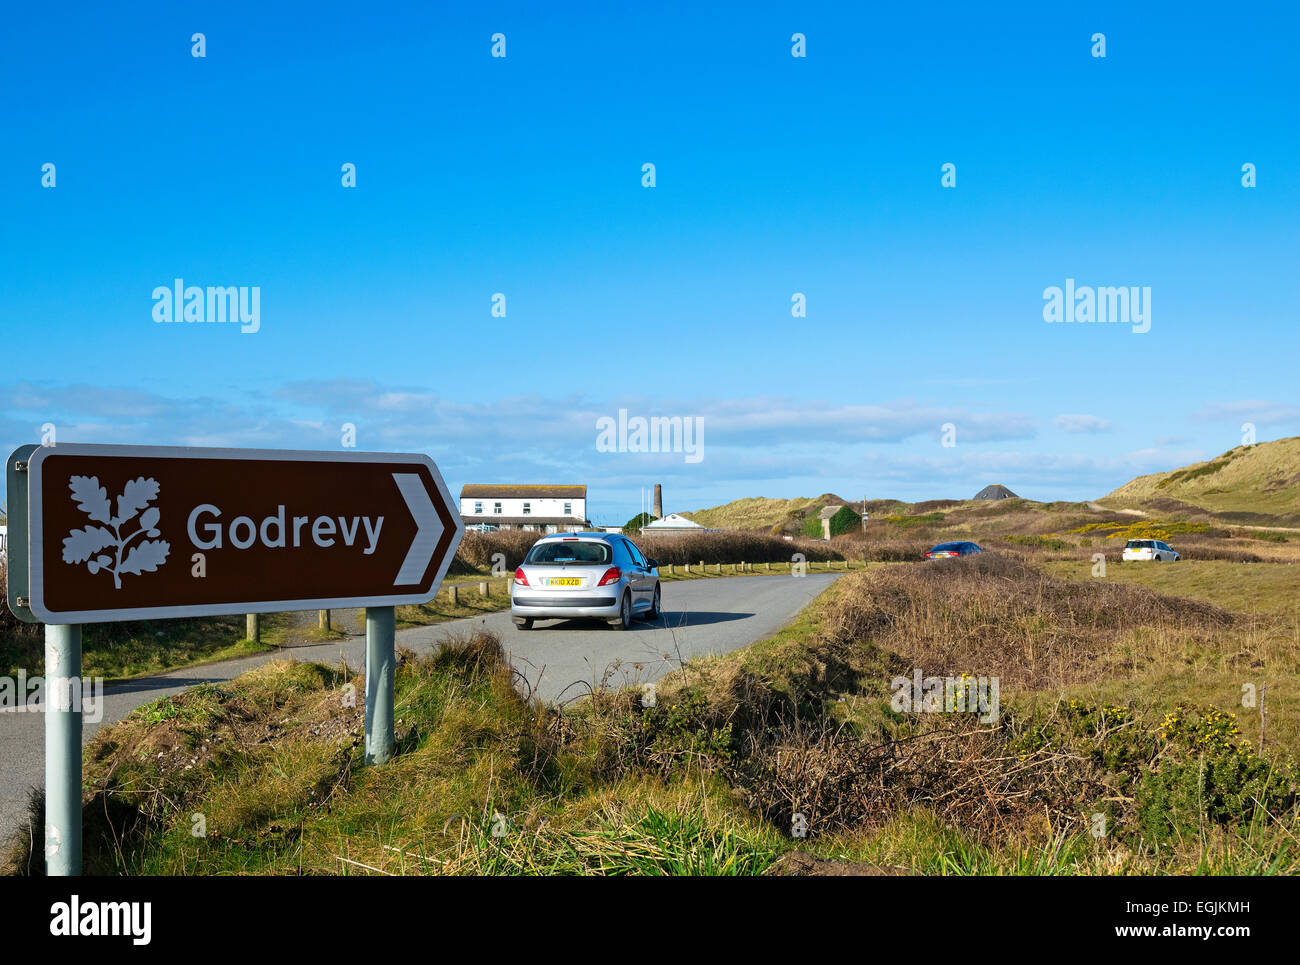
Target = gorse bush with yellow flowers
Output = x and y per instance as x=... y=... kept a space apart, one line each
x=1142 y=529
x=1207 y=774
x=1164 y=783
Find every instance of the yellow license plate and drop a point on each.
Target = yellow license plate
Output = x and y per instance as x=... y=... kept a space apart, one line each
x=564 y=581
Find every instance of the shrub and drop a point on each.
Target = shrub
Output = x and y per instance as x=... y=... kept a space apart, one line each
x=909 y=522
x=477 y=549
x=1047 y=542
x=731 y=546
x=633 y=526
x=1208 y=774
x=19 y=641
x=857 y=546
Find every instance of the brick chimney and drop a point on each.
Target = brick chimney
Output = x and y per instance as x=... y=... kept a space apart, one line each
x=659 y=501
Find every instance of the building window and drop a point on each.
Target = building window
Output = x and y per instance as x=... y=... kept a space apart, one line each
x=568 y=509
x=528 y=508
x=496 y=508
x=478 y=509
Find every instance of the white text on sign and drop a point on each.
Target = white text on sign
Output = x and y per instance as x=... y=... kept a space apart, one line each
x=273 y=532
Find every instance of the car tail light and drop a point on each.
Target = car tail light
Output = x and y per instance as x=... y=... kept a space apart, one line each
x=521 y=579
x=612 y=575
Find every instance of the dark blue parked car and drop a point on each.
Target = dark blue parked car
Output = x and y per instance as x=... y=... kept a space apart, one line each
x=947 y=550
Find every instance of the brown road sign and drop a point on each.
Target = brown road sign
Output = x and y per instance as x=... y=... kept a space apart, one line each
x=147 y=532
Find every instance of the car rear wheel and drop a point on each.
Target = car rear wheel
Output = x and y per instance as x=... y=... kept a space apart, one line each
x=524 y=623
x=624 y=619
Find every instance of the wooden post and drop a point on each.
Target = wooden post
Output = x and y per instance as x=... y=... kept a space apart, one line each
x=252 y=627
x=483 y=589
x=323 y=618
x=454 y=590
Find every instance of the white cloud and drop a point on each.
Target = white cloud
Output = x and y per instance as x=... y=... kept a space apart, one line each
x=752 y=446
x=1082 y=423
x=1258 y=411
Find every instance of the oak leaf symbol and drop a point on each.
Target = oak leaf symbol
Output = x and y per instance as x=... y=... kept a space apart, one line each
x=82 y=544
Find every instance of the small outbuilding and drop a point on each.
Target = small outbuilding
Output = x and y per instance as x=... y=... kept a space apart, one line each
x=838 y=518
x=672 y=523
x=996 y=491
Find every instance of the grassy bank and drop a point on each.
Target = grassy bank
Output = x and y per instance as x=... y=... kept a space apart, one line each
x=1122 y=746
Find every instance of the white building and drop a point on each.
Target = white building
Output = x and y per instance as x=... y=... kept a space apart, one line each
x=672 y=523
x=546 y=509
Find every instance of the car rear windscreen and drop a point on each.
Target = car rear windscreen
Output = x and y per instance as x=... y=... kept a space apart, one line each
x=566 y=551
x=1140 y=544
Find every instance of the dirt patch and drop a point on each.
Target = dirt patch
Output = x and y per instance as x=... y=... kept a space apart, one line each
x=801 y=864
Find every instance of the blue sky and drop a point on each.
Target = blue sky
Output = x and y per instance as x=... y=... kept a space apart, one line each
x=774 y=175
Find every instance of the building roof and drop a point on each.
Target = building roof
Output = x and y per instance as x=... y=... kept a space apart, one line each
x=517 y=492
x=829 y=511
x=671 y=521
x=996 y=491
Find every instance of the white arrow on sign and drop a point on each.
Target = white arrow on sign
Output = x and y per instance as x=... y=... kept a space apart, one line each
x=428 y=528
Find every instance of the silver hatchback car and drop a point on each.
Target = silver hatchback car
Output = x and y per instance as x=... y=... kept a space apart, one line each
x=598 y=575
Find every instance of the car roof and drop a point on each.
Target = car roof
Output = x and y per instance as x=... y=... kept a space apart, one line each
x=603 y=537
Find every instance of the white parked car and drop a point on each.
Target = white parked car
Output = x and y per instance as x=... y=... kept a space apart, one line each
x=1148 y=549
x=600 y=575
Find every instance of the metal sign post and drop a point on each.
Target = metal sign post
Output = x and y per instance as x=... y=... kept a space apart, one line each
x=380 y=666
x=104 y=533
x=63 y=691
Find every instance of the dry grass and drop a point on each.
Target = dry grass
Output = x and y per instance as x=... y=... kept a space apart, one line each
x=992 y=615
